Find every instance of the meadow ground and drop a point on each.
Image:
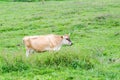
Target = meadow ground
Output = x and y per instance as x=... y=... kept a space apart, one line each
x=95 y=31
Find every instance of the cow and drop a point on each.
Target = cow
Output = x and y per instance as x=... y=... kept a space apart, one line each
x=50 y=42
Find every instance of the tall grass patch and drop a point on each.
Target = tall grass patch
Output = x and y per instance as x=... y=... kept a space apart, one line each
x=69 y=57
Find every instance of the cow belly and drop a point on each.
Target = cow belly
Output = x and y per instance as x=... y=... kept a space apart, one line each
x=46 y=49
x=39 y=46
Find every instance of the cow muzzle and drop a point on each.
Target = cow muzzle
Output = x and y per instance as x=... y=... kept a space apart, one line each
x=71 y=44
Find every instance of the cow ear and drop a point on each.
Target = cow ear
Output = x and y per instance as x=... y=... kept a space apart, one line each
x=61 y=36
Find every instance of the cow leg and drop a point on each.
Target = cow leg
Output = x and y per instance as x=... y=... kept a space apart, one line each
x=31 y=51
x=27 y=52
x=57 y=48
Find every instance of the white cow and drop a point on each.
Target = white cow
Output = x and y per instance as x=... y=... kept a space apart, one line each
x=45 y=42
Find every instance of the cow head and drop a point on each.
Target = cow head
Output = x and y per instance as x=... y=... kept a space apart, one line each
x=66 y=40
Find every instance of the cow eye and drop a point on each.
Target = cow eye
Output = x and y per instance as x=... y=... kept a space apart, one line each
x=68 y=39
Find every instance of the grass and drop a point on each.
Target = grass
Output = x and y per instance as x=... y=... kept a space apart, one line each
x=94 y=26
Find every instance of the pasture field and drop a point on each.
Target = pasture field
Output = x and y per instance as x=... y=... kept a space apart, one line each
x=95 y=31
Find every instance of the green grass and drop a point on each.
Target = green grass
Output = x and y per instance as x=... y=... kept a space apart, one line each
x=95 y=30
